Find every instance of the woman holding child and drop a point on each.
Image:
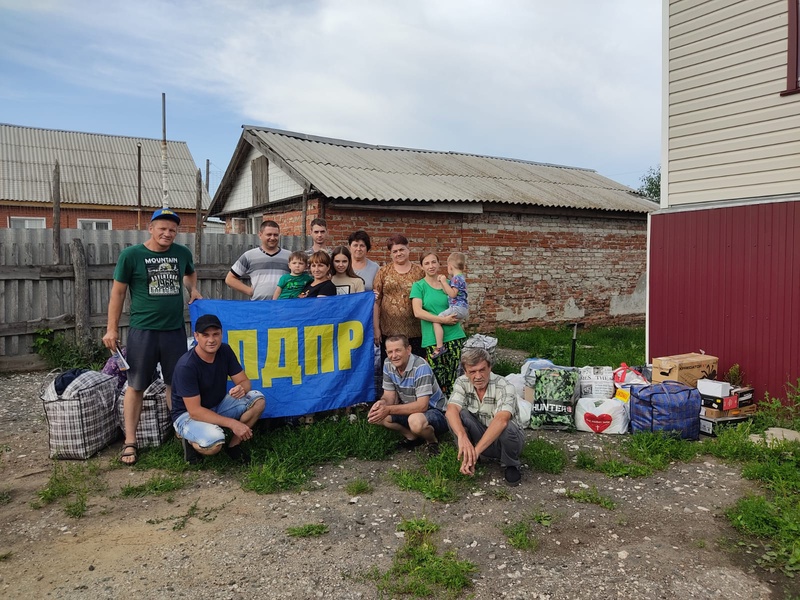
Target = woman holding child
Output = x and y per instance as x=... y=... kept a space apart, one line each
x=428 y=299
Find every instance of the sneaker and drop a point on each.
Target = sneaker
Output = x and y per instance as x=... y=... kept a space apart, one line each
x=410 y=444
x=190 y=455
x=238 y=454
x=433 y=449
x=513 y=476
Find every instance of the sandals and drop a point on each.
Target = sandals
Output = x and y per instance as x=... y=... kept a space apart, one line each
x=438 y=352
x=132 y=455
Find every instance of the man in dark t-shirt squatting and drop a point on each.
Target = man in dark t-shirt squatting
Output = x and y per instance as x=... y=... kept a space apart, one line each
x=201 y=405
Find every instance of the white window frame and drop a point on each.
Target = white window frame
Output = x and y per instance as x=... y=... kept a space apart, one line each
x=40 y=222
x=94 y=222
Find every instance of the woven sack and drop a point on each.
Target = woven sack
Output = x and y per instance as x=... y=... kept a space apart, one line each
x=81 y=420
x=155 y=423
x=669 y=406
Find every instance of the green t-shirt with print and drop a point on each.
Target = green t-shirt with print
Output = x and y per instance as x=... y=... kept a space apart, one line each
x=155 y=280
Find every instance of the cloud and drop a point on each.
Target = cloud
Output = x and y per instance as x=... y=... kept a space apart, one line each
x=570 y=82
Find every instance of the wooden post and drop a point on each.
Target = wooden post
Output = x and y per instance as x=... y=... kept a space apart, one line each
x=198 y=219
x=304 y=216
x=83 y=331
x=57 y=214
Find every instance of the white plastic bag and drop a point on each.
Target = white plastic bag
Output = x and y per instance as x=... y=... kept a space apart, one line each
x=601 y=415
x=597 y=382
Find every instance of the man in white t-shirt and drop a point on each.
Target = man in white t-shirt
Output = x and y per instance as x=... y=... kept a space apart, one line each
x=264 y=265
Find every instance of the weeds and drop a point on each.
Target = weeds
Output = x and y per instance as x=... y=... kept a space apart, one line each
x=285 y=458
x=541 y=455
x=358 y=487
x=591 y=496
x=520 y=536
x=612 y=467
x=60 y=352
x=5 y=556
x=310 y=530
x=505 y=367
x=5 y=497
x=74 y=481
x=179 y=521
x=503 y=494
x=155 y=486
x=418 y=569
x=439 y=479
x=542 y=518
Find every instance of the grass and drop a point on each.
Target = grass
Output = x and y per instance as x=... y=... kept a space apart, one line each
x=418 y=570
x=591 y=496
x=305 y=531
x=4 y=556
x=595 y=346
x=285 y=458
x=73 y=483
x=520 y=536
x=5 y=497
x=439 y=478
x=357 y=487
x=541 y=455
x=155 y=486
x=773 y=518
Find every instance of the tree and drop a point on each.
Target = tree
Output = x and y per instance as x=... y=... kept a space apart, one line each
x=651 y=184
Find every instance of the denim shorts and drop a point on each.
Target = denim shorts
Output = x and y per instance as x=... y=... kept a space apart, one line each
x=205 y=434
x=434 y=416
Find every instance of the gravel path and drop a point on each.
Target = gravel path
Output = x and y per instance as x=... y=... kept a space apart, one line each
x=667 y=538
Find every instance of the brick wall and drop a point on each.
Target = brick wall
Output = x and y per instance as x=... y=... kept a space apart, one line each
x=523 y=270
x=120 y=219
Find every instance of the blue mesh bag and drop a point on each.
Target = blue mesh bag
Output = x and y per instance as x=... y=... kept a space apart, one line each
x=669 y=407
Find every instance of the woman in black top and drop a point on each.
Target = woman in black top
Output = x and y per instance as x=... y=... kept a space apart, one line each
x=320 y=268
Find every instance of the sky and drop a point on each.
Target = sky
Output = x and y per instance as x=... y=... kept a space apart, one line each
x=570 y=82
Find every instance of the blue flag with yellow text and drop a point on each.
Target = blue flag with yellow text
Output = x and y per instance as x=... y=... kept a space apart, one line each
x=306 y=355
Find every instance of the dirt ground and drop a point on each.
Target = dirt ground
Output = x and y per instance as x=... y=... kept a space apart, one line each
x=667 y=538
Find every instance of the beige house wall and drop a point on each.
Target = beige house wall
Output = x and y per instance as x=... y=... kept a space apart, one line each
x=730 y=134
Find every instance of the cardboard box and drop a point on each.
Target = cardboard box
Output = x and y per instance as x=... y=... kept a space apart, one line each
x=745 y=395
x=722 y=414
x=686 y=368
x=726 y=403
x=712 y=426
x=711 y=387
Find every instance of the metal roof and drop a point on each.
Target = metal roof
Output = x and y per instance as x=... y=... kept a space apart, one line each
x=347 y=170
x=95 y=168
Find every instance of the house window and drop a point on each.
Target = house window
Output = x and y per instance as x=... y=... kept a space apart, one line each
x=95 y=224
x=793 y=54
x=26 y=222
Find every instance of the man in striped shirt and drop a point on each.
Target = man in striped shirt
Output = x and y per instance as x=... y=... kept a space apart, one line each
x=412 y=402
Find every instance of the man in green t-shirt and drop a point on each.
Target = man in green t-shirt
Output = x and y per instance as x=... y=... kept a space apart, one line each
x=155 y=272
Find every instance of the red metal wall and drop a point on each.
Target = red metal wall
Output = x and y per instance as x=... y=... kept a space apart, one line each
x=727 y=280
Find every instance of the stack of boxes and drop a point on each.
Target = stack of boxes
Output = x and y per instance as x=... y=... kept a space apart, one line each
x=722 y=404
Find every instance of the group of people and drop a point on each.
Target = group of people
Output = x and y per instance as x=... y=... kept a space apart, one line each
x=416 y=310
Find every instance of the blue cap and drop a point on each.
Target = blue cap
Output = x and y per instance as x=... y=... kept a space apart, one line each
x=166 y=213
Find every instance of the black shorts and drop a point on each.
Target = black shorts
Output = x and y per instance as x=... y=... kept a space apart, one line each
x=146 y=348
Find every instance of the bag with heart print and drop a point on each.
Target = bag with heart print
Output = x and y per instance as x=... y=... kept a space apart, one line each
x=601 y=415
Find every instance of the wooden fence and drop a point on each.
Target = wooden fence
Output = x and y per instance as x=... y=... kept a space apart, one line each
x=37 y=294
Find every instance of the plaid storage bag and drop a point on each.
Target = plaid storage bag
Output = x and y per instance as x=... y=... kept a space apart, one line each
x=155 y=423
x=669 y=406
x=555 y=392
x=80 y=420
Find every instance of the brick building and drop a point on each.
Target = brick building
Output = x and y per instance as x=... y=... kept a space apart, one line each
x=545 y=244
x=99 y=179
